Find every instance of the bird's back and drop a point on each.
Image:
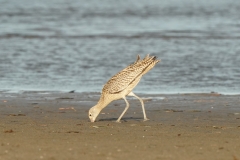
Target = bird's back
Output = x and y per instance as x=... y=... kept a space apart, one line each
x=127 y=76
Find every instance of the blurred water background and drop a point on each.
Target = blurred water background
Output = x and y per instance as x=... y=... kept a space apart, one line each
x=78 y=45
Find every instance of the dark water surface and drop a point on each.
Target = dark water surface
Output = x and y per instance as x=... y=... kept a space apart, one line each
x=78 y=45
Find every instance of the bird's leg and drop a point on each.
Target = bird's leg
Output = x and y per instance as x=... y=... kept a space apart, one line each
x=144 y=114
x=126 y=108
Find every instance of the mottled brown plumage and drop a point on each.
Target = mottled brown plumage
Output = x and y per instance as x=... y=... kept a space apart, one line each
x=122 y=84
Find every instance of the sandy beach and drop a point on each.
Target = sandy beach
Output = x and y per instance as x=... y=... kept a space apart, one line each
x=54 y=126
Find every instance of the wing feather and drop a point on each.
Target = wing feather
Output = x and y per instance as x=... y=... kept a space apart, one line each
x=124 y=78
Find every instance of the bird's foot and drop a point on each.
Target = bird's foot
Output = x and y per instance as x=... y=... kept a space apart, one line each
x=118 y=121
x=146 y=119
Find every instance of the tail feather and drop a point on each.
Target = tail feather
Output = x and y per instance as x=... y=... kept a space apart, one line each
x=138 y=59
x=150 y=63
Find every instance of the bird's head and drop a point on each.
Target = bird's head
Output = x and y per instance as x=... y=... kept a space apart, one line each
x=93 y=113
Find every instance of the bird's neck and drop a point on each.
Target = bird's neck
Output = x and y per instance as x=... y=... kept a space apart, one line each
x=102 y=103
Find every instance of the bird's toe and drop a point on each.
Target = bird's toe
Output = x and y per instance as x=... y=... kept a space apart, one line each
x=146 y=119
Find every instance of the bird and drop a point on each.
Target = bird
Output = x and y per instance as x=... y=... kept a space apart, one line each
x=122 y=84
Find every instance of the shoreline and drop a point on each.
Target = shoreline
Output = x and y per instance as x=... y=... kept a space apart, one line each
x=36 y=125
x=7 y=91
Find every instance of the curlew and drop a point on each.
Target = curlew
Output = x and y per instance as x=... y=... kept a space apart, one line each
x=122 y=84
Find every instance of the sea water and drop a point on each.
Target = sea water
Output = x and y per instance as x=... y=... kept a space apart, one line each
x=78 y=45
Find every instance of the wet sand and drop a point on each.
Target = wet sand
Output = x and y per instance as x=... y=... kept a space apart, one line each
x=53 y=126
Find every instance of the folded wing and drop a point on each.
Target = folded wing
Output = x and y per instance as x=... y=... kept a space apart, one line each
x=124 y=78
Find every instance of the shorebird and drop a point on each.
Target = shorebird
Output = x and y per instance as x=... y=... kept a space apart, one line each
x=122 y=84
